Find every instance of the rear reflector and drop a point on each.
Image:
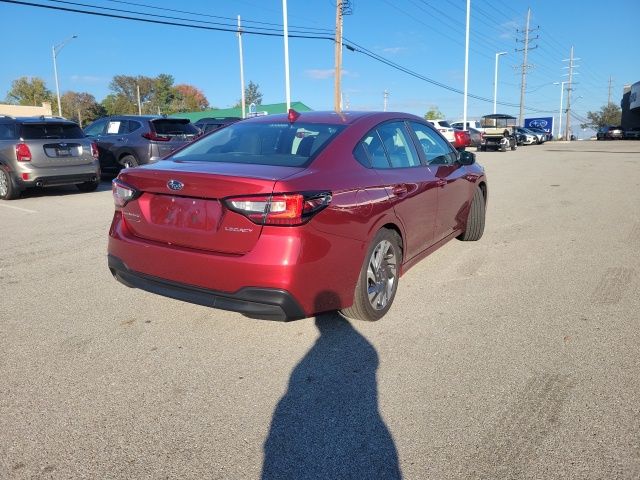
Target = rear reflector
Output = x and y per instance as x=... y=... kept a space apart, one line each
x=287 y=209
x=23 y=154
x=25 y=176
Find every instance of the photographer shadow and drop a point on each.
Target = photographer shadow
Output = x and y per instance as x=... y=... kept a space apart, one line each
x=327 y=424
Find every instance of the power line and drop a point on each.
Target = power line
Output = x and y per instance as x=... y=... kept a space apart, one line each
x=350 y=45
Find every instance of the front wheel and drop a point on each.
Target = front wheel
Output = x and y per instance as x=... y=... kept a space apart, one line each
x=476 y=218
x=378 y=281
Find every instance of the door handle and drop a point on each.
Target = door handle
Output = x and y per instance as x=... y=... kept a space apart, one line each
x=400 y=190
x=441 y=182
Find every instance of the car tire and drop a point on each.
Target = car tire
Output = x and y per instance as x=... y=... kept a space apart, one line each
x=8 y=188
x=379 y=275
x=475 y=219
x=129 y=161
x=514 y=146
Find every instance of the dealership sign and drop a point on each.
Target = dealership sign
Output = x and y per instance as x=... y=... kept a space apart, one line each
x=634 y=98
x=545 y=123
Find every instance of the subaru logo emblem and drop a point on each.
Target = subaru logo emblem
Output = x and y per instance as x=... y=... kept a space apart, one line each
x=539 y=123
x=175 y=185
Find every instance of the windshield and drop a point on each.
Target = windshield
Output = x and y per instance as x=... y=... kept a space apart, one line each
x=39 y=131
x=282 y=144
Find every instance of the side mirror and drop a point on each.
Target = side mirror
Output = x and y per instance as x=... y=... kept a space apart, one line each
x=466 y=158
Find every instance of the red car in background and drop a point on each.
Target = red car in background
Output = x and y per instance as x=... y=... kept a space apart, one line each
x=287 y=216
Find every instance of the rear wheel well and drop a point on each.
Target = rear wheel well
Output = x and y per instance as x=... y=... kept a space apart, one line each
x=483 y=189
x=394 y=228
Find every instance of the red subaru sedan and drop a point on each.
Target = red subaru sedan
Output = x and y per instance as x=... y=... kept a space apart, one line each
x=286 y=216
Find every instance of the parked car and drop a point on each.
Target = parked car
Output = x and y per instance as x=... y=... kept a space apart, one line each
x=126 y=141
x=526 y=136
x=462 y=139
x=45 y=152
x=543 y=135
x=445 y=129
x=210 y=124
x=609 y=132
x=632 y=133
x=474 y=134
x=286 y=216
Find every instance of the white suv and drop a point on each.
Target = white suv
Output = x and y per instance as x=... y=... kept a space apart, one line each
x=444 y=128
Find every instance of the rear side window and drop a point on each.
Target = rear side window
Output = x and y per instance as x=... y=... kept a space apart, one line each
x=39 y=131
x=7 y=131
x=168 y=126
x=281 y=144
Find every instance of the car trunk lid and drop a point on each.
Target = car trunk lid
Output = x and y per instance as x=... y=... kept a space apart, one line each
x=191 y=212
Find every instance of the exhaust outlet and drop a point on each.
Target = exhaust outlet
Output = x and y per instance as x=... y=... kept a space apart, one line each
x=39 y=183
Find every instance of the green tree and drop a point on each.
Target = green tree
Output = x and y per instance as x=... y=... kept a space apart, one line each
x=118 y=104
x=29 y=91
x=252 y=94
x=610 y=114
x=81 y=107
x=433 y=113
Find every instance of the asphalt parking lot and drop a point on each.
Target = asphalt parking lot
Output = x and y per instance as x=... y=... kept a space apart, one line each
x=513 y=357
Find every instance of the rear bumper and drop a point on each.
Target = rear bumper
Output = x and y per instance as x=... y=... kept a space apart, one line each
x=54 y=176
x=58 y=180
x=263 y=303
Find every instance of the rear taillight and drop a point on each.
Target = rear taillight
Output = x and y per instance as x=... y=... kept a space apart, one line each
x=155 y=137
x=23 y=154
x=94 y=150
x=123 y=193
x=285 y=209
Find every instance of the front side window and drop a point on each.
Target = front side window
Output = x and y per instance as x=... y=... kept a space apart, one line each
x=436 y=150
x=283 y=143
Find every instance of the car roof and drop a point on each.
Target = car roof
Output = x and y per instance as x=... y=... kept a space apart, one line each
x=43 y=119
x=334 y=118
x=218 y=119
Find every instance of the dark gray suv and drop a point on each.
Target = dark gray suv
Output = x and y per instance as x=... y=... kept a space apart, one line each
x=45 y=152
x=126 y=141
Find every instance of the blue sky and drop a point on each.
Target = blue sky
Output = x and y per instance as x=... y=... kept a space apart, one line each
x=425 y=36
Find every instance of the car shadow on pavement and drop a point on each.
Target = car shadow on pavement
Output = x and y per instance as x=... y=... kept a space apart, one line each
x=327 y=425
x=62 y=191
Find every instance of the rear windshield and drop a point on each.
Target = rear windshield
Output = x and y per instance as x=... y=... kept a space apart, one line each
x=281 y=144
x=40 y=131
x=174 y=127
x=444 y=124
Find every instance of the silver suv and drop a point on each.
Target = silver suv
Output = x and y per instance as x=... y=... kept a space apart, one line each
x=45 y=152
x=126 y=141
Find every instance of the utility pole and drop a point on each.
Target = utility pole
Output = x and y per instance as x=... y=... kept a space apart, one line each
x=343 y=7
x=386 y=99
x=466 y=68
x=609 y=97
x=525 y=65
x=571 y=66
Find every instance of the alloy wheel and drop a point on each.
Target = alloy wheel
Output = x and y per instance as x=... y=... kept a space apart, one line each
x=381 y=275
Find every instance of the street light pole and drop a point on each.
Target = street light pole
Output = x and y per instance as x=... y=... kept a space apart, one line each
x=286 y=53
x=495 y=82
x=55 y=50
x=466 y=68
